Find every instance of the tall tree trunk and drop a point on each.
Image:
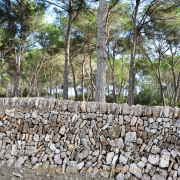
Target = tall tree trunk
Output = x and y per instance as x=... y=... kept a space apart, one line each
x=122 y=80
x=101 y=53
x=22 y=88
x=18 y=58
x=82 y=82
x=113 y=74
x=158 y=74
x=38 y=68
x=176 y=91
x=16 y=85
x=87 y=92
x=74 y=80
x=133 y=55
x=7 y=90
x=41 y=90
x=122 y=85
x=176 y=80
x=1 y=66
x=91 y=73
x=170 y=103
x=0 y=80
x=56 y=89
x=66 y=68
x=160 y=81
x=51 y=83
x=37 y=87
x=108 y=91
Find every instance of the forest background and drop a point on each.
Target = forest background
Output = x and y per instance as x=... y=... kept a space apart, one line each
x=136 y=44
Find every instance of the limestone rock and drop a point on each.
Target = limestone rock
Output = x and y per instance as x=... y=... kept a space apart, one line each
x=153 y=159
x=57 y=159
x=109 y=158
x=130 y=137
x=115 y=132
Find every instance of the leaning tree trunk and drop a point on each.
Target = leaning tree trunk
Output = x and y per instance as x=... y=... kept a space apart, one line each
x=66 y=68
x=133 y=55
x=101 y=53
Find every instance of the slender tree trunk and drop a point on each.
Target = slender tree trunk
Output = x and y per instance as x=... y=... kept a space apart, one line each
x=7 y=90
x=37 y=88
x=108 y=91
x=18 y=58
x=160 y=81
x=1 y=66
x=56 y=89
x=59 y=91
x=170 y=103
x=168 y=89
x=66 y=68
x=91 y=73
x=133 y=56
x=113 y=74
x=0 y=80
x=101 y=53
x=41 y=90
x=22 y=88
x=158 y=74
x=93 y=86
x=82 y=82
x=50 y=83
x=47 y=94
x=16 y=86
x=122 y=85
x=31 y=85
x=176 y=91
x=74 y=80
x=87 y=92
x=122 y=80
x=38 y=68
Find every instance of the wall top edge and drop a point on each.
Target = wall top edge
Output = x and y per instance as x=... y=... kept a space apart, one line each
x=47 y=104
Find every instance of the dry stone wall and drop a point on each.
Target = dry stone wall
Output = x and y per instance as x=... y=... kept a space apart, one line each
x=111 y=140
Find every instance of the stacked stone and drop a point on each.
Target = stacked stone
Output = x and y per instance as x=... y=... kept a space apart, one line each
x=115 y=141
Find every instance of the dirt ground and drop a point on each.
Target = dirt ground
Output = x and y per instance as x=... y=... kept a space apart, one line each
x=10 y=173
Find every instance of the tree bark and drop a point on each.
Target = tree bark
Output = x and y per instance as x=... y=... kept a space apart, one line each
x=0 y=80
x=101 y=53
x=66 y=68
x=82 y=82
x=176 y=91
x=18 y=58
x=91 y=73
x=74 y=80
x=38 y=68
x=56 y=89
x=51 y=83
x=37 y=87
x=158 y=74
x=122 y=80
x=133 y=56
x=16 y=85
